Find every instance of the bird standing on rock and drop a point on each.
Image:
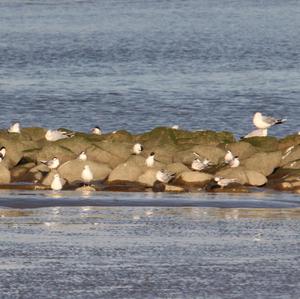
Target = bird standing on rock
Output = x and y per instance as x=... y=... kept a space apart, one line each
x=82 y=156
x=164 y=176
x=52 y=164
x=56 y=184
x=199 y=165
x=264 y=122
x=54 y=135
x=2 y=153
x=228 y=157
x=150 y=160
x=87 y=175
x=14 y=128
x=222 y=182
x=96 y=130
x=235 y=162
x=137 y=149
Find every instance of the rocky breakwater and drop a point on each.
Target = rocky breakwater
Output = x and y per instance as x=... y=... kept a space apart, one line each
x=163 y=159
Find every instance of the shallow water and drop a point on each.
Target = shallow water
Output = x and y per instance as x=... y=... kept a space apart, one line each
x=115 y=245
x=139 y=64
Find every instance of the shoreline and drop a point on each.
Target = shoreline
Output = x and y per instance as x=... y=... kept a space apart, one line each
x=264 y=162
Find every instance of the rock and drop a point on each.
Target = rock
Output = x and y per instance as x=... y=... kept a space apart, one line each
x=288 y=141
x=33 y=133
x=243 y=176
x=71 y=170
x=148 y=178
x=212 y=153
x=160 y=136
x=170 y=188
x=86 y=189
x=97 y=154
x=265 y=163
x=193 y=178
x=177 y=167
x=290 y=155
x=47 y=181
x=125 y=172
x=14 y=150
x=75 y=144
x=264 y=144
x=39 y=168
x=5 y=177
x=121 y=150
x=51 y=150
x=242 y=149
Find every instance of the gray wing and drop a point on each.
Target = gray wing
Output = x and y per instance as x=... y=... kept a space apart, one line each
x=269 y=120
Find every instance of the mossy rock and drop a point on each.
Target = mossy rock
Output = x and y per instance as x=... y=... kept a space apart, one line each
x=264 y=144
x=288 y=141
x=76 y=144
x=33 y=133
x=156 y=137
x=241 y=149
x=52 y=150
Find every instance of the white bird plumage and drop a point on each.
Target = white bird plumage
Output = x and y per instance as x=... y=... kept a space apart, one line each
x=164 y=176
x=96 y=131
x=150 y=160
x=2 y=153
x=54 y=135
x=199 y=165
x=82 y=156
x=137 y=148
x=52 y=164
x=14 y=128
x=222 y=182
x=264 y=122
x=56 y=184
x=257 y=133
x=235 y=162
x=87 y=175
x=228 y=157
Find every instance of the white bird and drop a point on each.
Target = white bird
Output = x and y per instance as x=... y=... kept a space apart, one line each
x=199 y=165
x=82 y=156
x=235 y=162
x=257 y=133
x=14 y=128
x=150 y=160
x=137 y=148
x=52 y=164
x=56 y=184
x=87 y=175
x=2 y=153
x=96 y=131
x=222 y=182
x=264 y=122
x=228 y=157
x=54 y=135
x=164 y=176
x=175 y=127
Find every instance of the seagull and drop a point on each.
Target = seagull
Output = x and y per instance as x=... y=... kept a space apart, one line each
x=96 y=131
x=199 y=165
x=82 y=156
x=175 y=127
x=54 y=135
x=235 y=162
x=137 y=149
x=264 y=122
x=222 y=182
x=14 y=128
x=257 y=133
x=56 y=184
x=2 y=153
x=87 y=175
x=150 y=160
x=164 y=176
x=228 y=157
x=52 y=164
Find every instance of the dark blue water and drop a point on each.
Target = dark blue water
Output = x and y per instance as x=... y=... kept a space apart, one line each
x=138 y=64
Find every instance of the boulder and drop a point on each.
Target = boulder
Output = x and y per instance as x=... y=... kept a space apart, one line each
x=265 y=163
x=97 y=154
x=290 y=155
x=33 y=133
x=242 y=149
x=52 y=149
x=71 y=170
x=264 y=144
x=148 y=178
x=125 y=172
x=5 y=177
x=193 y=178
x=243 y=176
x=177 y=167
x=14 y=150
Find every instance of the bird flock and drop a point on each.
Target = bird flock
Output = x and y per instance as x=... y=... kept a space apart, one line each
x=260 y=121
